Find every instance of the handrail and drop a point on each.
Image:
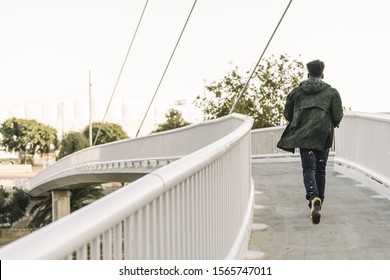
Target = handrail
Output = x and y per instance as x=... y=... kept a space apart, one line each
x=264 y=142
x=363 y=147
x=198 y=207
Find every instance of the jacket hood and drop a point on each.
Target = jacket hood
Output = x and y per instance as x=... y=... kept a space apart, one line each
x=313 y=85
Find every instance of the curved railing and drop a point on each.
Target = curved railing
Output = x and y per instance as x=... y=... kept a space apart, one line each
x=363 y=147
x=197 y=207
x=131 y=153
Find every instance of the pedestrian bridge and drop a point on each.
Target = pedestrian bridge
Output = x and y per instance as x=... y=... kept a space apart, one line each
x=216 y=190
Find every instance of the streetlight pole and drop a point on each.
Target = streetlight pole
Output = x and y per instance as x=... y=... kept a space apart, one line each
x=62 y=119
x=90 y=110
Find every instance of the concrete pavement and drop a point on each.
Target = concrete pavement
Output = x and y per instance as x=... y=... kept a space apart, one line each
x=355 y=222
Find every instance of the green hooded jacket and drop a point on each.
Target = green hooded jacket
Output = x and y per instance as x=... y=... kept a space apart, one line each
x=313 y=110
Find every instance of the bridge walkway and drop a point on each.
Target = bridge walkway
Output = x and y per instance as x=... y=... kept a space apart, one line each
x=355 y=221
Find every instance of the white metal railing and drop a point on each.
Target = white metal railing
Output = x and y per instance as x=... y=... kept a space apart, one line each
x=363 y=147
x=264 y=142
x=198 y=207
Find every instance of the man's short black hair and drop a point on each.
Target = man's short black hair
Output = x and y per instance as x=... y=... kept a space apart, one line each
x=315 y=68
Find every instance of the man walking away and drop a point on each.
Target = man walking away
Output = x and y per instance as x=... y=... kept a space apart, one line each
x=313 y=110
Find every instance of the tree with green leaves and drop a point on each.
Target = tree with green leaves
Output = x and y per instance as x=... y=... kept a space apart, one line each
x=109 y=132
x=41 y=211
x=18 y=205
x=72 y=142
x=28 y=137
x=13 y=205
x=264 y=97
x=174 y=119
x=4 y=195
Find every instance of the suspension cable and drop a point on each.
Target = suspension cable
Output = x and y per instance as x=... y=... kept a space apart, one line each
x=258 y=62
x=120 y=72
x=166 y=68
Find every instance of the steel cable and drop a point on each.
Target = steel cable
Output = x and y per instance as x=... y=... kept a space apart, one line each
x=166 y=68
x=258 y=62
x=120 y=72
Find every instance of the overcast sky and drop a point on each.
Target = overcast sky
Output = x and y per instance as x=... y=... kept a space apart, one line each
x=47 y=46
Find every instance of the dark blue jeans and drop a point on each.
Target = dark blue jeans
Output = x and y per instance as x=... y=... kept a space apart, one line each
x=314 y=172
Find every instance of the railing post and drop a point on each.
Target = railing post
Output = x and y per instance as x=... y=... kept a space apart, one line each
x=60 y=204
